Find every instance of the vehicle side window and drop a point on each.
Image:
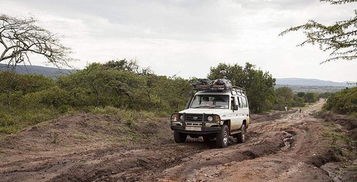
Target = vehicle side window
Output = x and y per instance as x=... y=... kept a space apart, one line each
x=232 y=102
x=244 y=102
x=240 y=102
x=247 y=102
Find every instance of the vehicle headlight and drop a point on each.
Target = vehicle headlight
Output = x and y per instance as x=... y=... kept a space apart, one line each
x=175 y=117
x=210 y=118
x=181 y=117
x=217 y=118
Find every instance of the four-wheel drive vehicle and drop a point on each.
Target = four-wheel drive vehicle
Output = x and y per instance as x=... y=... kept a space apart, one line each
x=218 y=110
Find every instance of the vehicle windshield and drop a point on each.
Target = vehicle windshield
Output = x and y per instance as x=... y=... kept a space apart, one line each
x=210 y=101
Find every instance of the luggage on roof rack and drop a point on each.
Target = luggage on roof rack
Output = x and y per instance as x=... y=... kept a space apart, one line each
x=213 y=85
x=222 y=84
x=202 y=84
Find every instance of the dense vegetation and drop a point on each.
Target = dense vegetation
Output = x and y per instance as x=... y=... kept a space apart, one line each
x=259 y=85
x=343 y=102
x=29 y=99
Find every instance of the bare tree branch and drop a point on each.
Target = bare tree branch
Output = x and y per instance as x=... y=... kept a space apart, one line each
x=19 y=37
x=339 y=1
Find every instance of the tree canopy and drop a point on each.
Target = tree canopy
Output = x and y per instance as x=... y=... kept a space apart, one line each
x=258 y=84
x=340 y=38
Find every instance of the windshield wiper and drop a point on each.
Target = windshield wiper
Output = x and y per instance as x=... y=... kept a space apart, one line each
x=202 y=107
x=218 y=106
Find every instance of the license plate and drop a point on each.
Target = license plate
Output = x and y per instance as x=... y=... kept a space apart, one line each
x=192 y=128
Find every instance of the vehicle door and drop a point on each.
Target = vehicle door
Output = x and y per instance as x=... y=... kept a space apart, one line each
x=244 y=110
x=235 y=119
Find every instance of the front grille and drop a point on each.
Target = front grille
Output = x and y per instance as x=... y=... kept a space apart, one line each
x=193 y=117
x=196 y=117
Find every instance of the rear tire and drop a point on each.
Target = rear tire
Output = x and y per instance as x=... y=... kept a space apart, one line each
x=241 y=137
x=179 y=137
x=222 y=137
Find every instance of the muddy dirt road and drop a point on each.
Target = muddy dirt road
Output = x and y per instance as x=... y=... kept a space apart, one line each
x=284 y=148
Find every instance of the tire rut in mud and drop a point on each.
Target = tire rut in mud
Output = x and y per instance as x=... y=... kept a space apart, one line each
x=136 y=165
x=197 y=165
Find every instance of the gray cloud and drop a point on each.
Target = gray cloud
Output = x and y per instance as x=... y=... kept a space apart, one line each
x=189 y=36
x=275 y=4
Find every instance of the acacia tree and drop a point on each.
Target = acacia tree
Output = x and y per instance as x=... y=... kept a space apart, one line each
x=339 y=38
x=21 y=37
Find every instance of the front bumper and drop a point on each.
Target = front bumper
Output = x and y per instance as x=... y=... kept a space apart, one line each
x=204 y=130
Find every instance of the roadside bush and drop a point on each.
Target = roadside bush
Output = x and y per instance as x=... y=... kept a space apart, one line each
x=343 y=102
x=297 y=101
x=10 y=82
x=284 y=96
x=14 y=118
x=118 y=86
x=310 y=97
x=6 y=120
x=54 y=96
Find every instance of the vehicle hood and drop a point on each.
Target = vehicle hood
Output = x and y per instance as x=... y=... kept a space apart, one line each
x=206 y=111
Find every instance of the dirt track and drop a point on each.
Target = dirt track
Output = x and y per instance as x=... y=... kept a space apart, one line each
x=289 y=148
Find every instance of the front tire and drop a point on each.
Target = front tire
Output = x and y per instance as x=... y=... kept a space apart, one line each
x=241 y=137
x=207 y=139
x=179 y=137
x=222 y=137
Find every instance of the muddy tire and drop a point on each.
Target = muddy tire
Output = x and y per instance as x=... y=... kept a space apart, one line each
x=179 y=137
x=241 y=137
x=222 y=137
x=206 y=139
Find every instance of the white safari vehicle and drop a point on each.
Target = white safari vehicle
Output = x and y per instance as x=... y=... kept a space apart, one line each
x=217 y=110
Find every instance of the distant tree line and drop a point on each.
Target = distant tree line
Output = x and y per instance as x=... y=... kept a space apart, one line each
x=259 y=86
x=120 y=84
x=125 y=85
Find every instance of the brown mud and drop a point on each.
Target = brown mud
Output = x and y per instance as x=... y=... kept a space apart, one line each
x=280 y=147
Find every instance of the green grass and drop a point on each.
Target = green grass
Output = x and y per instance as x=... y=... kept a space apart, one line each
x=340 y=142
x=130 y=117
x=131 y=123
x=13 y=119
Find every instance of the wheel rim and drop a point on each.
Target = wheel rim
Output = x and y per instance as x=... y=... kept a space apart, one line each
x=225 y=137
x=243 y=133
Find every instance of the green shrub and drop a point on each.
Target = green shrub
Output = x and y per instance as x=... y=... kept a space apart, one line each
x=310 y=97
x=343 y=102
x=54 y=96
x=6 y=120
x=297 y=101
x=13 y=118
x=10 y=82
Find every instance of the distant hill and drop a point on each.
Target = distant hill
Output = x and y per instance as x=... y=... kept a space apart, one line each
x=315 y=89
x=40 y=70
x=309 y=82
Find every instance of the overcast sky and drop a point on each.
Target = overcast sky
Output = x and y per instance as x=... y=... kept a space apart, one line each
x=187 y=37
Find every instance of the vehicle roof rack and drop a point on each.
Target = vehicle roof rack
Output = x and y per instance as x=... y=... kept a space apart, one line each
x=218 y=85
x=238 y=89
